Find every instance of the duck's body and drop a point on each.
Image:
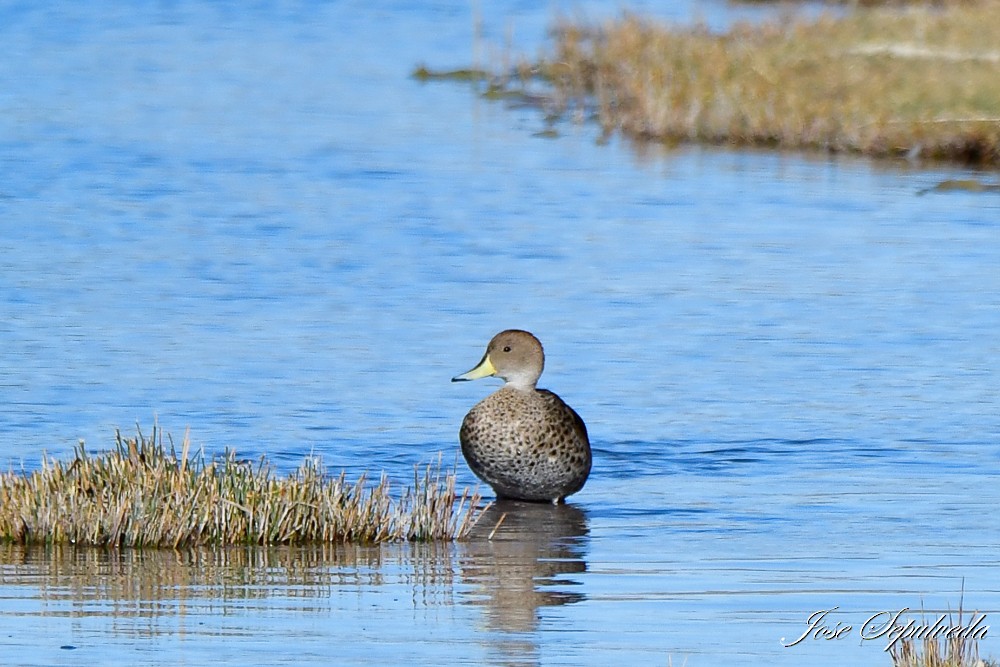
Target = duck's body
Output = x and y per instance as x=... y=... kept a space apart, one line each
x=524 y=442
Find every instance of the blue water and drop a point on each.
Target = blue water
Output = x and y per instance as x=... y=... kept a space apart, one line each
x=252 y=222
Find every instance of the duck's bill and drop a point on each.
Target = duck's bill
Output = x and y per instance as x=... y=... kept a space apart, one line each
x=484 y=369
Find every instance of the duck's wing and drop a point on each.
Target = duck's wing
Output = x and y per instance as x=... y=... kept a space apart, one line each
x=578 y=425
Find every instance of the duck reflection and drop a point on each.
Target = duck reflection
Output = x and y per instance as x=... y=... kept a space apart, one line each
x=520 y=558
x=517 y=561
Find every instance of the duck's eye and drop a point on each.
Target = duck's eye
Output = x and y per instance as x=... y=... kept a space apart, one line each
x=506 y=348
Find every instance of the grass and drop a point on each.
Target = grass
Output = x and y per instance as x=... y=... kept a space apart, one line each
x=961 y=649
x=916 y=82
x=939 y=652
x=955 y=652
x=142 y=494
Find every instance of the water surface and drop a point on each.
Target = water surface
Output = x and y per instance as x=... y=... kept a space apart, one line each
x=253 y=223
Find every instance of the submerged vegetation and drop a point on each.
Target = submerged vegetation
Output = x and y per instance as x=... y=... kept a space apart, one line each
x=916 y=82
x=142 y=494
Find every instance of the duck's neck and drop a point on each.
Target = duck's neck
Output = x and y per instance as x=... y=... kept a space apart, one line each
x=521 y=383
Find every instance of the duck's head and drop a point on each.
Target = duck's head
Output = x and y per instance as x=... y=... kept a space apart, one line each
x=514 y=356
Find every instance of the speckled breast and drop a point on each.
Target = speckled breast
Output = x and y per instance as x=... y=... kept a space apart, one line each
x=527 y=445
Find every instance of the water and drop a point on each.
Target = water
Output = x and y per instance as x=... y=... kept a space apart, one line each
x=253 y=223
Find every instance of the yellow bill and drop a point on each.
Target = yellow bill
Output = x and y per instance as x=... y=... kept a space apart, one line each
x=484 y=369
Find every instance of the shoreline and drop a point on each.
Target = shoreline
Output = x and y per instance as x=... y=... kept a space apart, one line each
x=918 y=83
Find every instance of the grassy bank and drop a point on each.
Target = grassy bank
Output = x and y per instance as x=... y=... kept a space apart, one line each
x=143 y=494
x=918 y=82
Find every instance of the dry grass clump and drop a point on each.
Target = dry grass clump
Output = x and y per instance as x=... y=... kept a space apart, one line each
x=954 y=652
x=142 y=495
x=940 y=652
x=916 y=82
x=958 y=648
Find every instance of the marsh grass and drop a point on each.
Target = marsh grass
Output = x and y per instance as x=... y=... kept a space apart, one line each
x=958 y=650
x=143 y=494
x=917 y=82
x=940 y=652
x=955 y=652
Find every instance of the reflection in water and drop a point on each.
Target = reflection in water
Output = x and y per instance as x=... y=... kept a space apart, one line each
x=514 y=564
x=121 y=578
x=516 y=561
x=159 y=584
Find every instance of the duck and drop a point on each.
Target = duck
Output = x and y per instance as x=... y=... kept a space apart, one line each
x=525 y=442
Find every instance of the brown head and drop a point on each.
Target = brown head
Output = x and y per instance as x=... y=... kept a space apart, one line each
x=514 y=356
